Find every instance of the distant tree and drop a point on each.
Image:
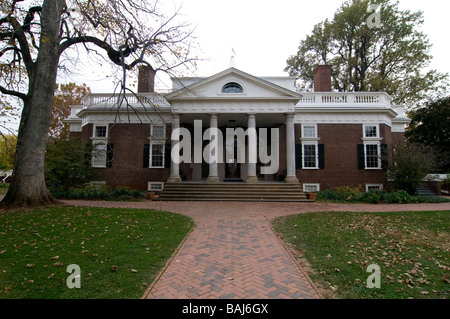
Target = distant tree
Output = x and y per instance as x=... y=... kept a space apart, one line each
x=392 y=58
x=409 y=164
x=7 y=150
x=430 y=125
x=66 y=95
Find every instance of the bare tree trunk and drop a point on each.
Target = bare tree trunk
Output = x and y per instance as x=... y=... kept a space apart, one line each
x=28 y=186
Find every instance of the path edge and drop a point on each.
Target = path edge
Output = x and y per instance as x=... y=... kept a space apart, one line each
x=295 y=260
x=166 y=266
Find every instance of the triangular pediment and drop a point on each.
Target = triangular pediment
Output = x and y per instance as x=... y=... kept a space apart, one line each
x=211 y=88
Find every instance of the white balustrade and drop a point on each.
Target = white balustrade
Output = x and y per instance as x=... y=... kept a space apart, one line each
x=345 y=99
x=134 y=100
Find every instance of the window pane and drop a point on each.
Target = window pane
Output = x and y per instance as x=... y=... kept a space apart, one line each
x=370 y=131
x=309 y=131
x=157 y=155
x=100 y=131
x=99 y=155
x=309 y=156
x=232 y=88
x=158 y=131
x=311 y=188
x=372 y=158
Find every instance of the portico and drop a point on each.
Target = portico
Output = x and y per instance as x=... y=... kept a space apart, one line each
x=234 y=100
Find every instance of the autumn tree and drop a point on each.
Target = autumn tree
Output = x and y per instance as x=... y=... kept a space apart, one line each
x=65 y=96
x=7 y=150
x=391 y=57
x=34 y=35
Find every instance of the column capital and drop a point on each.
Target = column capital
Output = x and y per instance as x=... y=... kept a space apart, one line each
x=251 y=114
x=289 y=114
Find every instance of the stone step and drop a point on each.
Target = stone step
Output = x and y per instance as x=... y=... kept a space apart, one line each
x=278 y=192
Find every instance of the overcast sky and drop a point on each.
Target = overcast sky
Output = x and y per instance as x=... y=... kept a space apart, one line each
x=264 y=33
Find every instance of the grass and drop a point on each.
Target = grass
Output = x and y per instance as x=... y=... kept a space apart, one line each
x=411 y=249
x=4 y=188
x=119 y=251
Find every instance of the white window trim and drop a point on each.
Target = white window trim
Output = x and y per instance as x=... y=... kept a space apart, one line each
x=95 y=143
x=372 y=138
x=316 y=144
x=155 y=183
x=244 y=89
x=378 y=144
x=380 y=186
x=150 y=164
x=159 y=137
x=311 y=185
x=309 y=125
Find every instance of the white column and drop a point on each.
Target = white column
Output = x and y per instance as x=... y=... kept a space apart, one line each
x=175 y=166
x=252 y=150
x=290 y=149
x=213 y=177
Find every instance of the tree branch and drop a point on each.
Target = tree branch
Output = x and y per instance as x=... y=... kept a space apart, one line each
x=13 y=93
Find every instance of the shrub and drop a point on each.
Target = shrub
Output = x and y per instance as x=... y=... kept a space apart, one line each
x=354 y=195
x=341 y=193
x=90 y=192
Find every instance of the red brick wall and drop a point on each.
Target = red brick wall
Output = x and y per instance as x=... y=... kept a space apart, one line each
x=341 y=160
x=322 y=78
x=127 y=168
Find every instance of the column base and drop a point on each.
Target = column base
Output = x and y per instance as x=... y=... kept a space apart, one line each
x=174 y=179
x=213 y=180
x=291 y=180
x=252 y=180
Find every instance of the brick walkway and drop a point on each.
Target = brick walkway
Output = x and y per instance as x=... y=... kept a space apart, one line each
x=233 y=253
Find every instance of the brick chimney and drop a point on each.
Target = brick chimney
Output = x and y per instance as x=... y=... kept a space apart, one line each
x=322 y=78
x=146 y=79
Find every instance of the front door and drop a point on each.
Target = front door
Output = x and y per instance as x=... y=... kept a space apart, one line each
x=232 y=167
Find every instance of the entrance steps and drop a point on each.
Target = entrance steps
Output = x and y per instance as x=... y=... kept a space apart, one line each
x=262 y=192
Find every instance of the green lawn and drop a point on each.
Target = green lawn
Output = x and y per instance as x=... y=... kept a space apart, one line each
x=119 y=251
x=411 y=249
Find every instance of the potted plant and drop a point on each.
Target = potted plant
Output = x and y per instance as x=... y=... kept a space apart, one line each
x=311 y=196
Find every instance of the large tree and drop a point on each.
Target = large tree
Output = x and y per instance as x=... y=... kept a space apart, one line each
x=34 y=35
x=430 y=125
x=392 y=56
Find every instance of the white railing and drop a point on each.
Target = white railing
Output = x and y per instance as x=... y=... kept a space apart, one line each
x=345 y=99
x=146 y=99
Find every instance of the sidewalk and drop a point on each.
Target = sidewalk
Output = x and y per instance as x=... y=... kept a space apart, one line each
x=233 y=253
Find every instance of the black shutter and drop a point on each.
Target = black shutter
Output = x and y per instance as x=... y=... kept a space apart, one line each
x=146 y=156
x=168 y=156
x=384 y=156
x=321 y=156
x=361 y=157
x=109 y=155
x=298 y=156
